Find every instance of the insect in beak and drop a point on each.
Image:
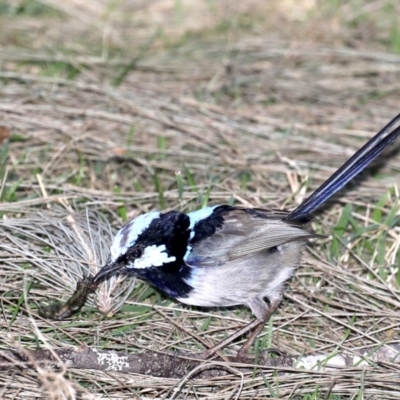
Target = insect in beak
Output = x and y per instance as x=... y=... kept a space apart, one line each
x=107 y=271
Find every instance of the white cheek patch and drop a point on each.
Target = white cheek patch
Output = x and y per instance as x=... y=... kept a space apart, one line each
x=153 y=256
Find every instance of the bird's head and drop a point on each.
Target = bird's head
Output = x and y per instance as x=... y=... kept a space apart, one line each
x=148 y=242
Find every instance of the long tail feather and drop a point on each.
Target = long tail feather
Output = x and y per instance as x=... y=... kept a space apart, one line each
x=361 y=159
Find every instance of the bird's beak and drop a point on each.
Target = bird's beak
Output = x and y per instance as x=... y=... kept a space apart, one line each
x=107 y=271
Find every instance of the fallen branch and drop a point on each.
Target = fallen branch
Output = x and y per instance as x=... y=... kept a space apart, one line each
x=178 y=365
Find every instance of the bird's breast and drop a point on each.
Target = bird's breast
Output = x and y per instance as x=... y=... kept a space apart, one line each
x=239 y=281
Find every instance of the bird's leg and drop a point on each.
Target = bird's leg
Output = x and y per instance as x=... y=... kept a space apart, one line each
x=244 y=350
x=257 y=325
x=208 y=353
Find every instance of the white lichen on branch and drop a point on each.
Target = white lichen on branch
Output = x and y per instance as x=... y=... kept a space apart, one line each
x=115 y=362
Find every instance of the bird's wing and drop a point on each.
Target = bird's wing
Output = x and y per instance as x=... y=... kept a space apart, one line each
x=243 y=232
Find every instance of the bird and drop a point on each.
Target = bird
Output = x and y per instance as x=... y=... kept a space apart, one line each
x=223 y=255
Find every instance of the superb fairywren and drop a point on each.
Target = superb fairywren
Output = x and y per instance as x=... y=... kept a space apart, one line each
x=225 y=255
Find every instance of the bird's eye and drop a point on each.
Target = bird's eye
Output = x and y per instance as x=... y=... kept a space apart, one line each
x=137 y=253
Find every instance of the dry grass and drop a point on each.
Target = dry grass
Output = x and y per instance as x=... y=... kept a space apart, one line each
x=125 y=107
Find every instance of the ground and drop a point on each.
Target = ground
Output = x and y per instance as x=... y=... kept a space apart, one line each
x=109 y=109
